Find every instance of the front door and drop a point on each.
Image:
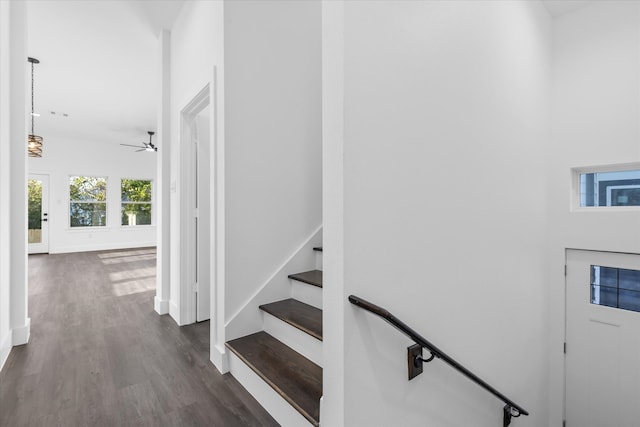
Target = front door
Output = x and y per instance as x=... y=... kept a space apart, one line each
x=38 y=213
x=602 y=339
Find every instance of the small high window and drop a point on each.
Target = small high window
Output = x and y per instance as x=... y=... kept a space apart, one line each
x=618 y=188
x=615 y=287
x=136 y=202
x=87 y=201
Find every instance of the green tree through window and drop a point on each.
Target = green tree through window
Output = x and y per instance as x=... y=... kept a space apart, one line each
x=136 y=202
x=87 y=201
x=34 y=190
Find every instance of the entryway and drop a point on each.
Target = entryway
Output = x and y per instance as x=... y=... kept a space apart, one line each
x=195 y=207
x=602 y=339
x=38 y=213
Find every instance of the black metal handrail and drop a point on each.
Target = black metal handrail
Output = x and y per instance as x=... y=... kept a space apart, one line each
x=510 y=405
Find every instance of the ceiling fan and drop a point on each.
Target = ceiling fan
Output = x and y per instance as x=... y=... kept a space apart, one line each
x=146 y=146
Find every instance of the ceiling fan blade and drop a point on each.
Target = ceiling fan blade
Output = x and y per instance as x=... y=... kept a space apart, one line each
x=129 y=145
x=142 y=149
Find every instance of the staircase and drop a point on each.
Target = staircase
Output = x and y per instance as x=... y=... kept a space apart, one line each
x=281 y=365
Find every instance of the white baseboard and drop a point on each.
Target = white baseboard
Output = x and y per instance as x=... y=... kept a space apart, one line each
x=101 y=247
x=278 y=408
x=174 y=312
x=220 y=359
x=5 y=349
x=20 y=336
x=161 y=306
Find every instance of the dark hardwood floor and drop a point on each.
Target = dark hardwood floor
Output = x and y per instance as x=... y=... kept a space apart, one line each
x=99 y=355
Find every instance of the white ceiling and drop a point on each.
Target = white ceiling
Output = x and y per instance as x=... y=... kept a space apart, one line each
x=560 y=7
x=99 y=64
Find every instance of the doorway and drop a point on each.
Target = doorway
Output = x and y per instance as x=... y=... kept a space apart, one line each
x=196 y=189
x=602 y=373
x=38 y=213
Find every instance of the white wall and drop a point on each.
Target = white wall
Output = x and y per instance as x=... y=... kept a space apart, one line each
x=5 y=244
x=267 y=153
x=196 y=49
x=596 y=112
x=273 y=145
x=14 y=321
x=64 y=157
x=445 y=208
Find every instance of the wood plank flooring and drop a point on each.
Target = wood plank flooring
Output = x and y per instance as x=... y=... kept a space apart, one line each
x=99 y=355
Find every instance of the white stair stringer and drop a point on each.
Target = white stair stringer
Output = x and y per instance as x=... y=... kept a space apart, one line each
x=318 y=260
x=285 y=414
x=300 y=341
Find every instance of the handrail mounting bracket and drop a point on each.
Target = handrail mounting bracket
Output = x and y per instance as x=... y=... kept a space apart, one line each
x=414 y=360
x=508 y=413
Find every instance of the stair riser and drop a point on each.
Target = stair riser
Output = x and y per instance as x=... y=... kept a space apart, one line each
x=306 y=293
x=278 y=408
x=318 y=260
x=300 y=341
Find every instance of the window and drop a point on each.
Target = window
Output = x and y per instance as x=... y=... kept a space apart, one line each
x=615 y=287
x=136 y=201
x=617 y=188
x=87 y=201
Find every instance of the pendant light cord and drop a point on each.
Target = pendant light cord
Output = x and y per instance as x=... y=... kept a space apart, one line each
x=32 y=103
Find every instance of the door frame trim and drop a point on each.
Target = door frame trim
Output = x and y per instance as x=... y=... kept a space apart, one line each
x=188 y=129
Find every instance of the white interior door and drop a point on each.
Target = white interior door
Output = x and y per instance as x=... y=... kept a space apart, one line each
x=602 y=339
x=38 y=213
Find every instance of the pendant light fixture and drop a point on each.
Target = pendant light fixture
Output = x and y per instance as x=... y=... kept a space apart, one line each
x=34 y=143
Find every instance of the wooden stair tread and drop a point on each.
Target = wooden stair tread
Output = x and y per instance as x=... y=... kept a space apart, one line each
x=297 y=379
x=313 y=277
x=318 y=248
x=298 y=314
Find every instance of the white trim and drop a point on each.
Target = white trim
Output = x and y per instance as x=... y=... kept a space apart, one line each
x=335 y=340
x=278 y=286
x=174 y=312
x=137 y=227
x=282 y=268
x=615 y=167
x=20 y=335
x=220 y=358
x=188 y=117
x=5 y=349
x=89 y=228
x=218 y=230
x=278 y=408
x=161 y=307
x=101 y=247
x=162 y=214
